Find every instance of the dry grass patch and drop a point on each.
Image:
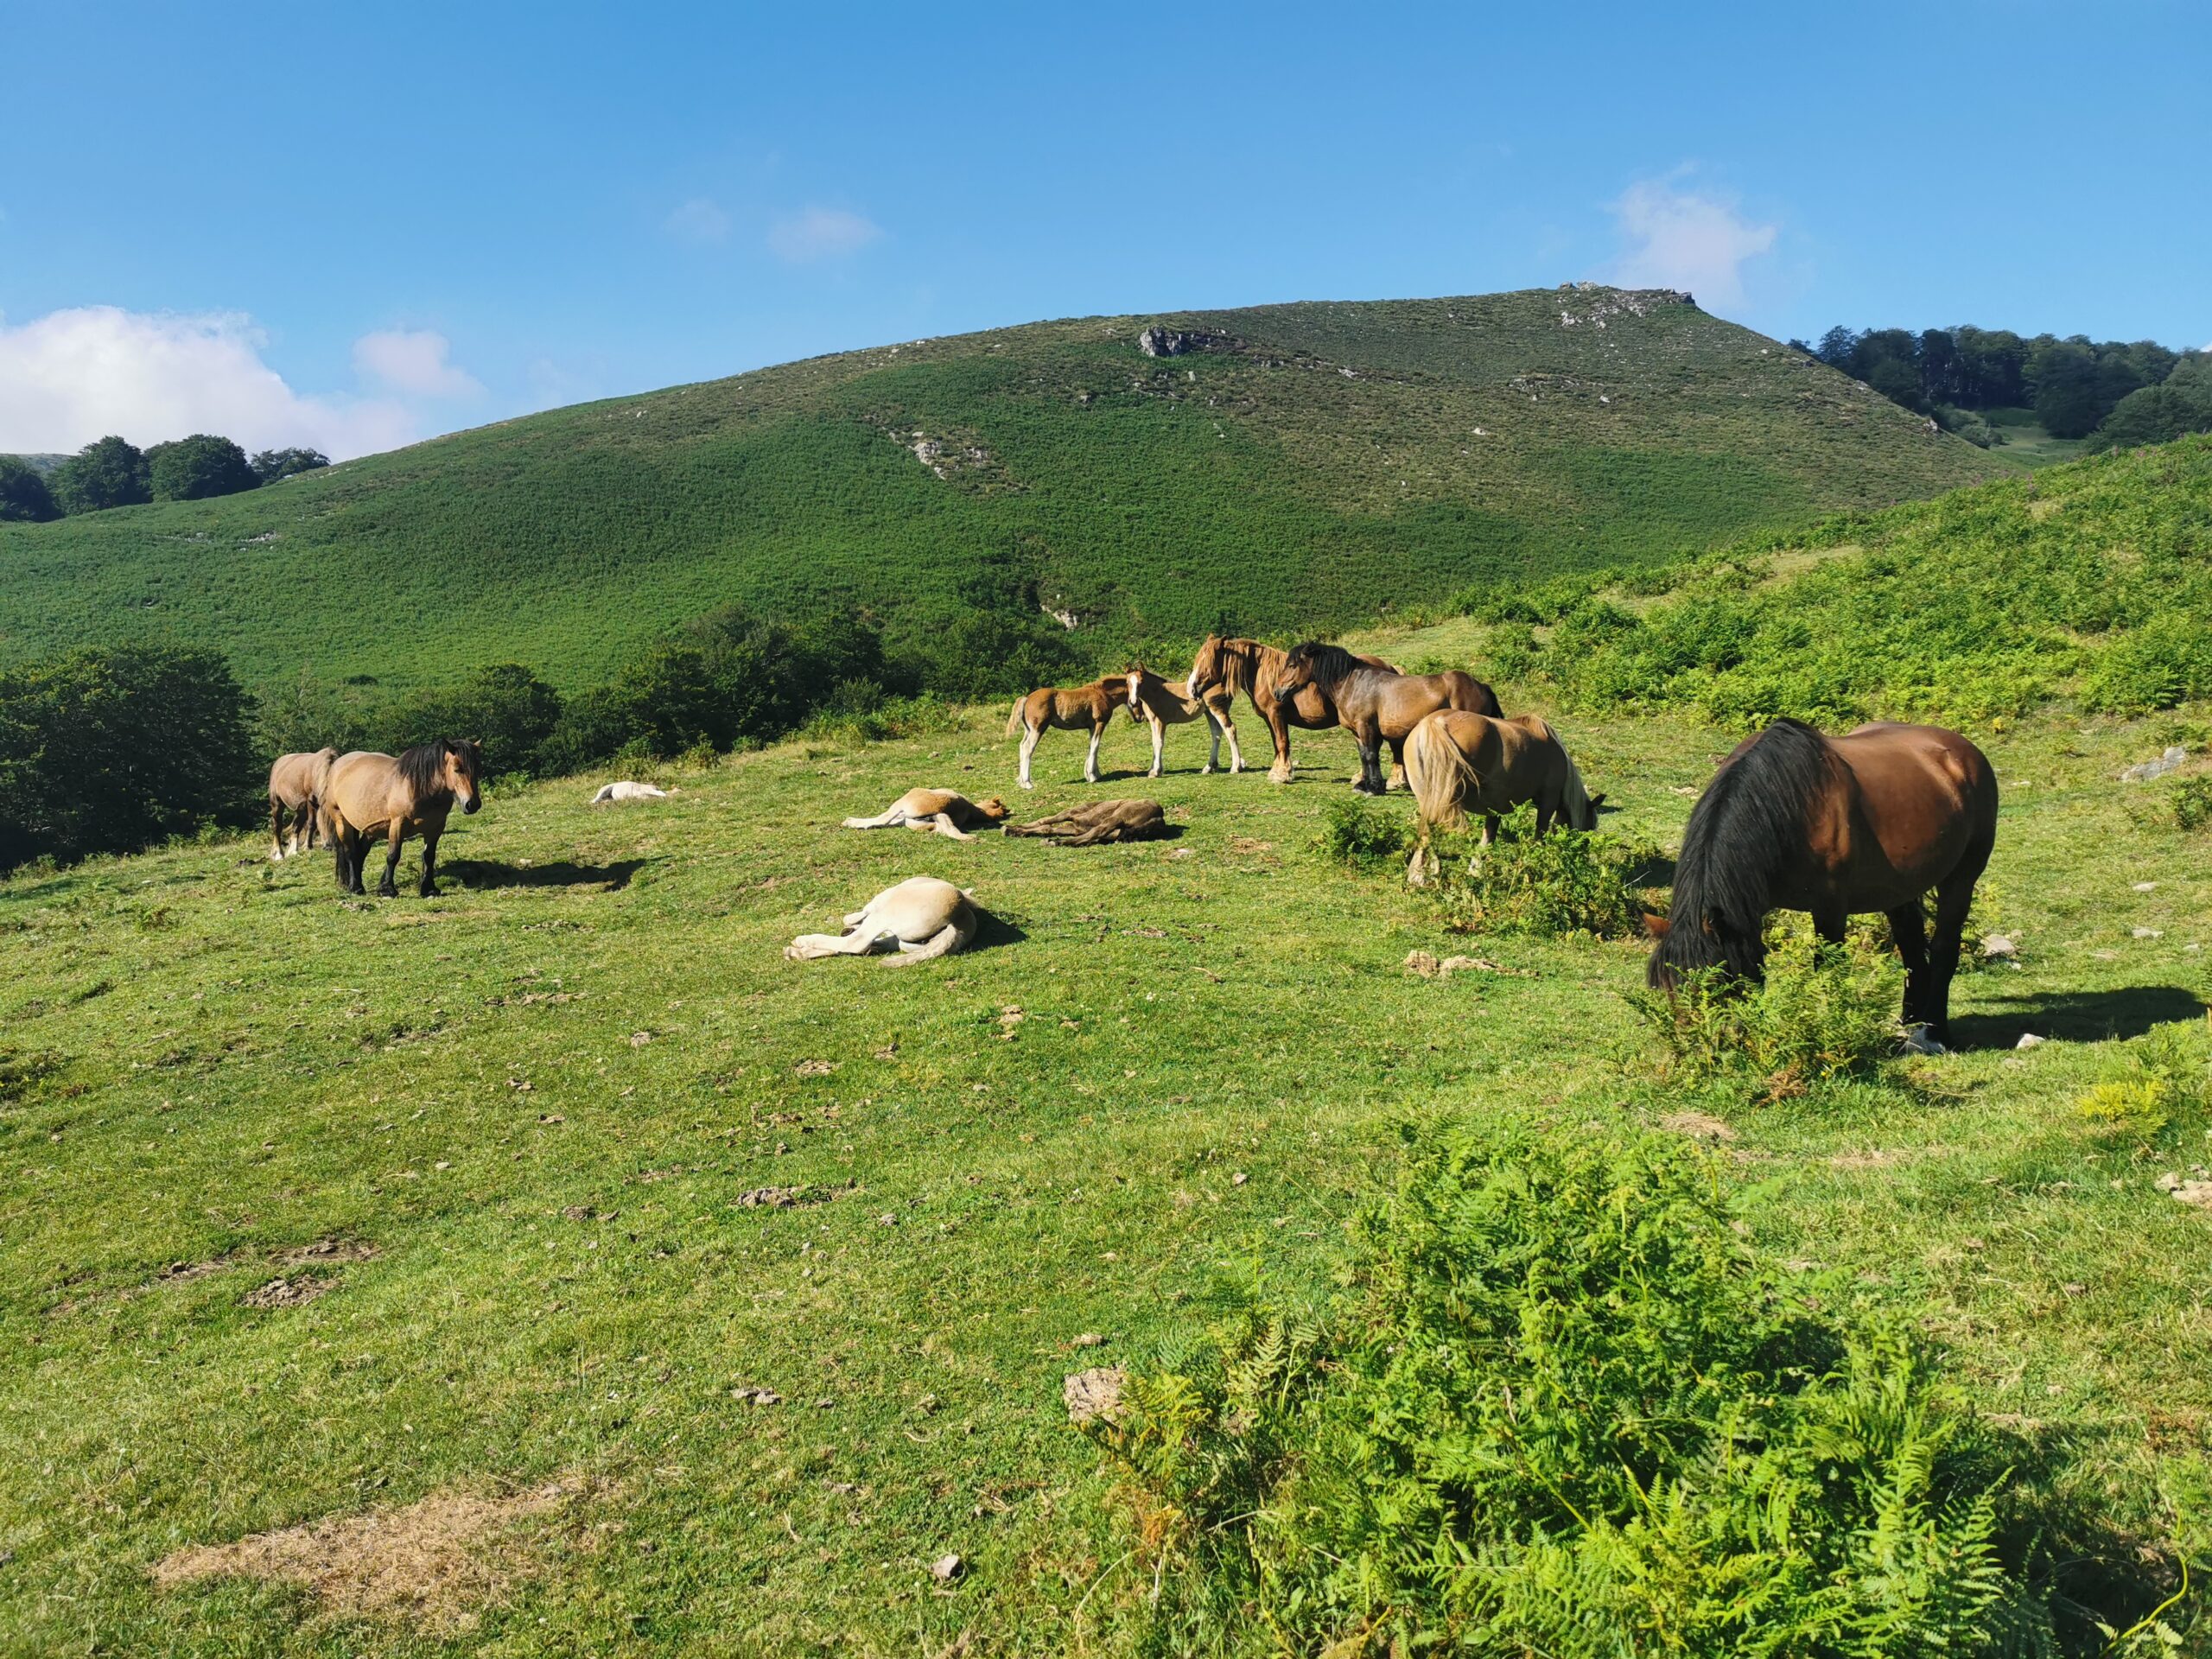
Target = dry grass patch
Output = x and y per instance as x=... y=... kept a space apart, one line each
x=435 y=1561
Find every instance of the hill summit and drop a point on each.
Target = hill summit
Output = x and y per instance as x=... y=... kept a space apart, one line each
x=1279 y=467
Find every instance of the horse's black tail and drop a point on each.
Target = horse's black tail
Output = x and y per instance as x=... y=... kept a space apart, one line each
x=1747 y=826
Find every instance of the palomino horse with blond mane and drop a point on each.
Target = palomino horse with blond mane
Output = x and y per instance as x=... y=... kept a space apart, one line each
x=1067 y=708
x=370 y=795
x=295 y=785
x=1379 y=705
x=1223 y=668
x=1457 y=762
x=1160 y=704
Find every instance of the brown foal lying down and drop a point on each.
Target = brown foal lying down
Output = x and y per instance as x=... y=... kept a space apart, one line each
x=1098 y=822
x=941 y=810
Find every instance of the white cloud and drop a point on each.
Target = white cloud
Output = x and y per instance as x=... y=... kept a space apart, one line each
x=75 y=375
x=413 y=360
x=1676 y=238
x=699 y=221
x=821 y=234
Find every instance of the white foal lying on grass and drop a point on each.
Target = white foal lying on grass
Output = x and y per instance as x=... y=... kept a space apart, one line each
x=919 y=919
x=627 y=791
x=941 y=810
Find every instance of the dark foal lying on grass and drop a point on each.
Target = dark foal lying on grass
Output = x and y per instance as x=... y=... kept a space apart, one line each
x=1836 y=826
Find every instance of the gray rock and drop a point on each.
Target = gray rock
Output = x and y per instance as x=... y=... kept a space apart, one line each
x=2170 y=761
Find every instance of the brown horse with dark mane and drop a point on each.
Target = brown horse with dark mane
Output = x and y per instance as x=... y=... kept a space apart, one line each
x=1223 y=668
x=1836 y=826
x=369 y=795
x=294 y=784
x=1379 y=705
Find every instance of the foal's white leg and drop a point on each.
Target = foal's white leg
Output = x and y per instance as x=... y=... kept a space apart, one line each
x=1236 y=754
x=1213 y=737
x=861 y=942
x=1090 y=760
x=1029 y=737
x=880 y=821
x=943 y=823
x=1159 y=731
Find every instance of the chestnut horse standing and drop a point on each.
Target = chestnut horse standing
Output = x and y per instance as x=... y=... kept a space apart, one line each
x=370 y=795
x=295 y=786
x=1379 y=705
x=1160 y=705
x=1223 y=668
x=1067 y=708
x=1457 y=762
x=1836 y=826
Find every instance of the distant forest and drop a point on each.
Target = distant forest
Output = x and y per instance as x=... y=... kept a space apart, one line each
x=2119 y=394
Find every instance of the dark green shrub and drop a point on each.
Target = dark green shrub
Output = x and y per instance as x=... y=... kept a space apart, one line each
x=198 y=468
x=24 y=497
x=107 y=473
x=1568 y=881
x=1821 y=1012
x=1561 y=1410
x=504 y=707
x=1362 y=834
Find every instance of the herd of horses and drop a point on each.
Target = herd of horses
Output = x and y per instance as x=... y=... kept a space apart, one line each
x=1793 y=819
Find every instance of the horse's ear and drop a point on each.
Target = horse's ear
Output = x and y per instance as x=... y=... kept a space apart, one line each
x=1597 y=800
x=1655 y=925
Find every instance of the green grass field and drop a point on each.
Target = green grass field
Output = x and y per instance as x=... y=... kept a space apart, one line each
x=2027 y=445
x=526 y=1112
x=1344 y=459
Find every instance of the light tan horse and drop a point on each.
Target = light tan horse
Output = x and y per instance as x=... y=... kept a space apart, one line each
x=370 y=795
x=295 y=786
x=1067 y=708
x=1457 y=762
x=948 y=813
x=1228 y=667
x=918 y=920
x=1160 y=704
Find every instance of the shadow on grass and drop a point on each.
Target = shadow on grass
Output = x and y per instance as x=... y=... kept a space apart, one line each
x=2078 y=1016
x=480 y=874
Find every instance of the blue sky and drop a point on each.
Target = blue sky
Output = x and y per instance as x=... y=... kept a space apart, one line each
x=352 y=227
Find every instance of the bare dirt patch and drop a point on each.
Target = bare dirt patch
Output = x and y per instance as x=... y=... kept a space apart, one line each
x=296 y=1290
x=326 y=1250
x=1699 y=1125
x=434 y=1562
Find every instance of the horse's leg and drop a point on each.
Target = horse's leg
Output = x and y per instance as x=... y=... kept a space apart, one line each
x=1545 y=815
x=354 y=855
x=1907 y=932
x=389 y=887
x=944 y=825
x=277 y=813
x=1370 y=739
x=1829 y=923
x=1225 y=729
x=1397 y=777
x=1091 y=756
x=1278 y=729
x=1954 y=898
x=1159 y=736
x=896 y=815
x=1029 y=736
x=430 y=861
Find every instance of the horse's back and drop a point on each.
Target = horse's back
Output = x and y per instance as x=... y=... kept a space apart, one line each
x=1928 y=795
x=360 y=785
x=1465 y=691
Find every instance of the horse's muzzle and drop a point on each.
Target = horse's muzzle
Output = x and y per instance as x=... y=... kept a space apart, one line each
x=470 y=806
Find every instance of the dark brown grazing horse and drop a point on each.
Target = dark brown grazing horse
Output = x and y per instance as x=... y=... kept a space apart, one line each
x=294 y=784
x=370 y=795
x=1223 y=668
x=1067 y=708
x=1837 y=826
x=1379 y=705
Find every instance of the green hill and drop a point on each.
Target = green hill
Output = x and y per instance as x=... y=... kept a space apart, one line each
x=1284 y=466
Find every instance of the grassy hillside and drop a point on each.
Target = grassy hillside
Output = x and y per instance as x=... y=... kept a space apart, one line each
x=2089 y=583
x=1325 y=462
x=493 y=1148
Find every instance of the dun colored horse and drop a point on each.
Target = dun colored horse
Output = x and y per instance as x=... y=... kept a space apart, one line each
x=370 y=795
x=295 y=782
x=1379 y=705
x=1836 y=826
x=1067 y=708
x=1228 y=667
x=1160 y=705
x=946 y=811
x=1456 y=762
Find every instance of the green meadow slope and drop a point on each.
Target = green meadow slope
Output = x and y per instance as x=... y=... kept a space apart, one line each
x=312 y=1209
x=1304 y=466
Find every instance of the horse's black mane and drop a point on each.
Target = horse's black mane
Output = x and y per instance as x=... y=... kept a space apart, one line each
x=1328 y=664
x=1748 y=823
x=424 y=765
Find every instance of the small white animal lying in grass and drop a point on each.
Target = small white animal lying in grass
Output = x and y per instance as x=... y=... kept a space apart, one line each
x=627 y=791
x=941 y=810
x=919 y=919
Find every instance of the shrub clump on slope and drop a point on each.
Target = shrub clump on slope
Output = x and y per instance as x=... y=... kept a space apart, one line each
x=2090 y=580
x=1560 y=1409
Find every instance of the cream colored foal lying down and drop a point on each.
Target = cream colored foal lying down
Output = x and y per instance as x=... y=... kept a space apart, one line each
x=919 y=919
x=941 y=810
